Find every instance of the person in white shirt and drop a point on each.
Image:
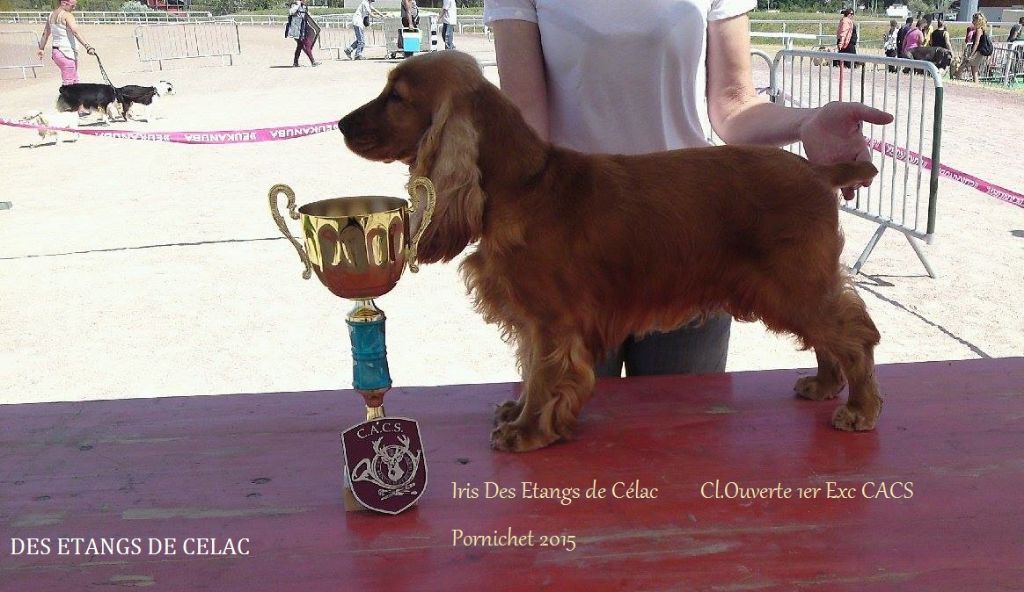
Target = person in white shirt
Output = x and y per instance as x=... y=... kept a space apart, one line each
x=61 y=24
x=889 y=39
x=594 y=77
x=449 y=18
x=361 y=20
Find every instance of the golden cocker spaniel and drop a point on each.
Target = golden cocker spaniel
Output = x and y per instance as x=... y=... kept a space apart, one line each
x=575 y=252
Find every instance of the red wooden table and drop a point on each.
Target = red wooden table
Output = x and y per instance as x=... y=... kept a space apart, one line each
x=262 y=473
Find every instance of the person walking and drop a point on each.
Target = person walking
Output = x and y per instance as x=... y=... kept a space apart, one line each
x=681 y=68
x=361 y=20
x=303 y=29
x=61 y=24
x=449 y=18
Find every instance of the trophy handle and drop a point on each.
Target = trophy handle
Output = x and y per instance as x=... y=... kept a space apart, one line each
x=428 y=213
x=279 y=219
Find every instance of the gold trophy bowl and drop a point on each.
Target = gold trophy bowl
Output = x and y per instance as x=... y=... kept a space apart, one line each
x=358 y=246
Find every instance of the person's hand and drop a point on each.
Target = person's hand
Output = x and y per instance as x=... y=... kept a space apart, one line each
x=40 y=52
x=90 y=50
x=834 y=133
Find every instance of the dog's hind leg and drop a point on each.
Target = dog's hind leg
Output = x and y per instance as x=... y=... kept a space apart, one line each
x=559 y=379
x=844 y=334
x=853 y=340
x=828 y=315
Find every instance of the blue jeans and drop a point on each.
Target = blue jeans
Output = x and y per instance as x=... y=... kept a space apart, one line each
x=693 y=348
x=360 y=43
x=448 y=34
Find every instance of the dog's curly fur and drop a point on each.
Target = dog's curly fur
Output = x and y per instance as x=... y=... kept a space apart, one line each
x=576 y=252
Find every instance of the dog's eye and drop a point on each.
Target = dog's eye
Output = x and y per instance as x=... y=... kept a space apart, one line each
x=394 y=97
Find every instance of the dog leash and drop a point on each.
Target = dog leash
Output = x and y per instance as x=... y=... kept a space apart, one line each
x=103 y=72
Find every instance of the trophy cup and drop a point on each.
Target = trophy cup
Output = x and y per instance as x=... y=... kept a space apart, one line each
x=359 y=247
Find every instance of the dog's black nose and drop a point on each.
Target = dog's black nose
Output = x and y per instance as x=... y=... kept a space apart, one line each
x=343 y=124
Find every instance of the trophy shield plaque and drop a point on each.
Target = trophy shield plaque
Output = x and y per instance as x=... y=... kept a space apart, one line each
x=385 y=467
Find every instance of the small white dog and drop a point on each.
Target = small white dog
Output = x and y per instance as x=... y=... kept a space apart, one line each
x=53 y=119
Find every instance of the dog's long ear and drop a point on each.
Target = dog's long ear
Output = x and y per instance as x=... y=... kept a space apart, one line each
x=447 y=156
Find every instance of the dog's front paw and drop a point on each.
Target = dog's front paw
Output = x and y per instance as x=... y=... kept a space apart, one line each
x=811 y=387
x=507 y=412
x=515 y=437
x=849 y=419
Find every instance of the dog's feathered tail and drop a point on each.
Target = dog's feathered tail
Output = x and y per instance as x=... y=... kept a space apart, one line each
x=847 y=174
x=64 y=103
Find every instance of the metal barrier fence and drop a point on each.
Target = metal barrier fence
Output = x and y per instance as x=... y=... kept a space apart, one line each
x=904 y=195
x=201 y=39
x=337 y=19
x=1005 y=65
x=106 y=17
x=18 y=50
x=336 y=36
x=825 y=30
x=474 y=23
x=379 y=35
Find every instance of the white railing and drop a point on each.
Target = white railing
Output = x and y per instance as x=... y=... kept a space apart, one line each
x=466 y=24
x=106 y=17
x=282 y=19
x=827 y=28
x=471 y=23
x=159 y=42
x=337 y=36
x=18 y=50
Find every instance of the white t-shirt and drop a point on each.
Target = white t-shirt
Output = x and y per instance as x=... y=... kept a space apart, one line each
x=624 y=81
x=452 y=14
x=360 y=13
x=63 y=40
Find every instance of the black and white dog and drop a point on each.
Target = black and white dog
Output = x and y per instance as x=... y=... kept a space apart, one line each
x=104 y=99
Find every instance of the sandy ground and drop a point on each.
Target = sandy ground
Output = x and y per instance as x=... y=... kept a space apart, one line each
x=133 y=269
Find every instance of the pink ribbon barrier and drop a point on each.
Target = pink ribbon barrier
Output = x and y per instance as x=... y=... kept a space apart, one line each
x=1000 y=193
x=288 y=132
x=246 y=136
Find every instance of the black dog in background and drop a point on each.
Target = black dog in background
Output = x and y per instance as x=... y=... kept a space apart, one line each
x=101 y=97
x=940 y=56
